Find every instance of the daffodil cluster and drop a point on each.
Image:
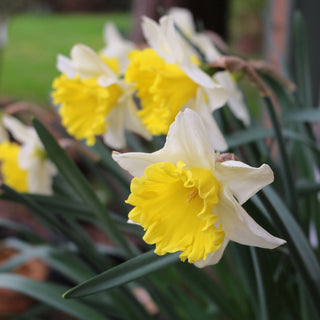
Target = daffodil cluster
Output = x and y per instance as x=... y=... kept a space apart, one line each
x=184 y=196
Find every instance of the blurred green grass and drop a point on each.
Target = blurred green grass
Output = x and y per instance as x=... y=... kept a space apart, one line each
x=28 y=64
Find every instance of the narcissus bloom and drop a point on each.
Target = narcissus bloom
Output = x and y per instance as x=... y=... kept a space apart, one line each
x=25 y=167
x=184 y=19
x=94 y=100
x=187 y=201
x=168 y=79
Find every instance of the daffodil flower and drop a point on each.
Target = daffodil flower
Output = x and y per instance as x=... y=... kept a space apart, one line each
x=94 y=101
x=168 y=79
x=188 y=202
x=184 y=19
x=25 y=167
x=116 y=46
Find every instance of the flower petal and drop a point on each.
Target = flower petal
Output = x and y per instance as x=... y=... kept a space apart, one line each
x=235 y=101
x=20 y=132
x=240 y=227
x=187 y=141
x=217 y=96
x=65 y=65
x=216 y=138
x=88 y=63
x=132 y=121
x=213 y=258
x=114 y=137
x=184 y=19
x=243 y=180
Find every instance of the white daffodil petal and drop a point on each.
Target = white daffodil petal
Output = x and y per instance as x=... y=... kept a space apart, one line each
x=240 y=227
x=197 y=75
x=243 y=180
x=235 y=101
x=116 y=46
x=136 y=162
x=20 y=132
x=65 y=65
x=186 y=141
x=206 y=46
x=114 y=137
x=213 y=258
x=40 y=177
x=183 y=18
x=132 y=121
x=216 y=138
x=106 y=81
x=88 y=63
x=111 y=34
x=151 y=32
x=217 y=97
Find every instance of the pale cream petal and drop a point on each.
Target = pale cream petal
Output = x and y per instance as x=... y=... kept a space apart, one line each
x=106 y=81
x=87 y=63
x=115 y=137
x=243 y=180
x=40 y=177
x=184 y=19
x=111 y=34
x=240 y=227
x=206 y=46
x=213 y=258
x=217 y=96
x=235 y=101
x=65 y=65
x=19 y=131
x=187 y=141
x=132 y=121
x=196 y=74
x=116 y=46
x=151 y=32
x=216 y=138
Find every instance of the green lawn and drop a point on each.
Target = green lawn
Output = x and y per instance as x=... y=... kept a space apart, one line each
x=28 y=63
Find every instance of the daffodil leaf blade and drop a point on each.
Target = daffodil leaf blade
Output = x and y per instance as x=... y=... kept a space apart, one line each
x=249 y=135
x=49 y=294
x=298 y=116
x=82 y=187
x=301 y=253
x=302 y=60
x=123 y=273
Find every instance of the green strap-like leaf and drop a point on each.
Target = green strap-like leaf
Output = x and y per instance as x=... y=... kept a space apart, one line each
x=50 y=294
x=74 y=177
x=302 y=59
x=300 y=251
x=123 y=273
x=309 y=115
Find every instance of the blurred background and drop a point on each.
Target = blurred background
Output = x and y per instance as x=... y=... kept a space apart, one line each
x=33 y=32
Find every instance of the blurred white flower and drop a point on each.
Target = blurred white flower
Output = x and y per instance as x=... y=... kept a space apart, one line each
x=26 y=165
x=94 y=100
x=184 y=20
x=168 y=79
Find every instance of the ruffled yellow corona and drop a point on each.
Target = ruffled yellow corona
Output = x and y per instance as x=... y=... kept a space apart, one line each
x=163 y=89
x=12 y=174
x=84 y=105
x=174 y=205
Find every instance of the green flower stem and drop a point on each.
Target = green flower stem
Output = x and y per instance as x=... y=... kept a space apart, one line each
x=288 y=182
